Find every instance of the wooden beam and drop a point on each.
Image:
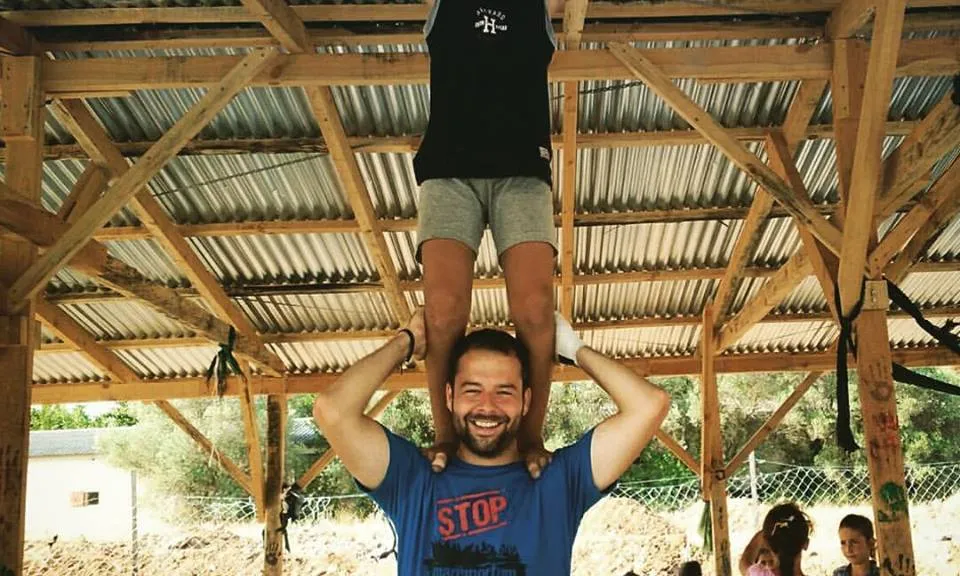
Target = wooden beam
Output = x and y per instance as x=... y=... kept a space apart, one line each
x=677 y=450
x=712 y=477
x=410 y=143
x=197 y=387
x=881 y=430
x=77 y=118
x=413 y=12
x=908 y=169
x=921 y=57
x=251 y=435
x=228 y=465
x=946 y=188
x=14 y=40
x=801 y=208
x=897 y=270
x=283 y=23
x=327 y=457
x=85 y=192
x=69 y=330
x=796 y=126
x=325 y=110
x=849 y=17
x=20 y=82
x=865 y=179
x=568 y=202
x=273 y=543
x=127 y=185
x=772 y=422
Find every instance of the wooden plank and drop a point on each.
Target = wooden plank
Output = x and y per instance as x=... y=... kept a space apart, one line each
x=881 y=430
x=801 y=208
x=410 y=143
x=413 y=12
x=282 y=22
x=677 y=450
x=568 y=202
x=712 y=478
x=796 y=125
x=18 y=331
x=228 y=465
x=865 y=178
x=946 y=188
x=936 y=223
x=251 y=435
x=849 y=17
x=127 y=185
x=325 y=110
x=908 y=169
x=327 y=457
x=921 y=57
x=273 y=544
x=14 y=40
x=18 y=108
x=85 y=192
x=772 y=422
x=69 y=330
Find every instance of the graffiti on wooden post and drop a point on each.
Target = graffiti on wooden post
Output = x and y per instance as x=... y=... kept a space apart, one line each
x=894 y=499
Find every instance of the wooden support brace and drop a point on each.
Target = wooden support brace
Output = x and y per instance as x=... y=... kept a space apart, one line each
x=801 y=208
x=251 y=434
x=327 y=457
x=127 y=185
x=849 y=17
x=228 y=465
x=772 y=422
x=84 y=194
x=282 y=22
x=14 y=40
x=679 y=451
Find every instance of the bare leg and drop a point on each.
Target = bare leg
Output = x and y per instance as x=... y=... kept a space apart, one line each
x=528 y=268
x=447 y=282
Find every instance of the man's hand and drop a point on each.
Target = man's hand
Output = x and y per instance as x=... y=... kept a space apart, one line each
x=536 y=457
x=439 y=454
x=418 y=328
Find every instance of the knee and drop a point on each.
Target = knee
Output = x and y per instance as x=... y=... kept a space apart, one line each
x=533 y=314
x=446 y=315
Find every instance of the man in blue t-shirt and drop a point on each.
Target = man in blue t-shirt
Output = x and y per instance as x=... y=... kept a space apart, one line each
x=484 y=514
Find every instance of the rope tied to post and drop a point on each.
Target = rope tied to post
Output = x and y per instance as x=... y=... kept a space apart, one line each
x=844 y=433
x=224 y=363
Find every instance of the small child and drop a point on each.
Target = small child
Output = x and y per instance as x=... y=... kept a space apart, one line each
x=786 y=534
x=691 y=568
x=858 y=545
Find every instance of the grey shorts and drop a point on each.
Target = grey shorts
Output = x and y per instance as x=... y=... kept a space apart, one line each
x=518 y=209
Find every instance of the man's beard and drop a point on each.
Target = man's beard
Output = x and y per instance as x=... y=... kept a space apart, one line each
x=486 y=447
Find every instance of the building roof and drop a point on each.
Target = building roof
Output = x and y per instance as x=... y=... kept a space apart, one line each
x=79 y=442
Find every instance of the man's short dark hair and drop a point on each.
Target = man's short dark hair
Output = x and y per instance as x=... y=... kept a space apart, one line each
x=494 y=341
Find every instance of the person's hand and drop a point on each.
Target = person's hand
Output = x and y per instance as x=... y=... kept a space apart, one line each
x=536 y=458
x=568 y=343
x=417 y=327
x=439 y=454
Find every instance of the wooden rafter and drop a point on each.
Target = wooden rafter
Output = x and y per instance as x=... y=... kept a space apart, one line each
x=946 y=188
x=77 y=118
x=283 y=23
x=327 y=457
x=325 y=110
x=228 y=465
x=772 y=422
x=897 y=270
x=412 y=12
x=865 y=179
x=849 y=17
x=412 y=379
x=15 y=40
x=921 y=57
x=85 y=192
x=124 y=188
x=410 y=143
x=801 y=208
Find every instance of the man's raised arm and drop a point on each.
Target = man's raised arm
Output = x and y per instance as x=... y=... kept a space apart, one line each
x=358 y=440
x=642 y=407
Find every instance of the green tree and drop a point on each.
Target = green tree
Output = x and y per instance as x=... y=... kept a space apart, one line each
x=58 y=417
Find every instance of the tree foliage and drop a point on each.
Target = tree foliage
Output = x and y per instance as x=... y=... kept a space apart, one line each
x=59 y=417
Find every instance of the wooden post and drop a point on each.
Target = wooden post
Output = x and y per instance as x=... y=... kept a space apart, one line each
x=22 y=125
x=713 y=472
x=878 y=404
x=276 y=444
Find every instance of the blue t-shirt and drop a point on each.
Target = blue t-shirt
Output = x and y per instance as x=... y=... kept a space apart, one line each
x=471 y=519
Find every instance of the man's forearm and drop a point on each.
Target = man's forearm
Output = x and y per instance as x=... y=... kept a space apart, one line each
x=351 y=393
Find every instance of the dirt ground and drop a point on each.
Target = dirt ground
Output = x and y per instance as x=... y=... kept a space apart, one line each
x=616 y=536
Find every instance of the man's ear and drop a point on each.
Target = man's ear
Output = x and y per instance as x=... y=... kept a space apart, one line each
x=527 y=395
x=448 y=389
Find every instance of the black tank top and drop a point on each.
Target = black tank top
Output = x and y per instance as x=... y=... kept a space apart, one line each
x=489 y=102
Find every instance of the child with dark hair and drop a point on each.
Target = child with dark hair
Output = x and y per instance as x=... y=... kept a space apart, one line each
x=691 y=568
x=858 y=545
x=786 y=533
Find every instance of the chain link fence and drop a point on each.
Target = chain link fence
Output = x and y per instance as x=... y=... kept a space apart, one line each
x=348 y=534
